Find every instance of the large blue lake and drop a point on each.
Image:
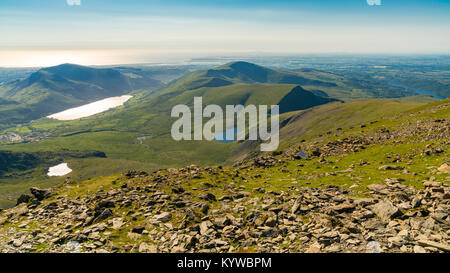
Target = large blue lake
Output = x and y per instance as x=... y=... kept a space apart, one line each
x=417 y=90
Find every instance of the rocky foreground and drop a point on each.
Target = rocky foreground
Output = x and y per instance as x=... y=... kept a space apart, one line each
x=137 y=214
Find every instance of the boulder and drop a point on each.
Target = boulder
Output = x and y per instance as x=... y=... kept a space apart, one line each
x=428 y=243
x=24 y=198
x=18 y=211
x=373 y=247
x=444 y=168
x=106 y=214
x=204 y=227
x=377 y=187
x=296 y=205
x=138 y=230
x=432 y=184
x=419 y=249
x=146 y=248
x=117 y=223
x=209 y=197
x=163 y=217
x=343 y=208
x=390 y=168
x=40 y=194
x=271 y=222
x=386 y=210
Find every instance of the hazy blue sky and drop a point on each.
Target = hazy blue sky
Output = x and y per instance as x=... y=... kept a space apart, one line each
x=45 y=32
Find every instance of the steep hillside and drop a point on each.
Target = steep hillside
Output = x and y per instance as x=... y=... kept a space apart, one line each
x=54 y=89
x=382 y=186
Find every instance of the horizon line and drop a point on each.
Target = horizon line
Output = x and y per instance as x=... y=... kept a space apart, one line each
x=237 y=56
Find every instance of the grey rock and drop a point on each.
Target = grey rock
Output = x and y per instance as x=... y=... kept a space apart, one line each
x=163 y=217
x=390 y=168
x=146 y=248
x=386 y=210
x=41 y=194
x=117 y=223
x=106 y=214
x=24 y=198
x=373 y=247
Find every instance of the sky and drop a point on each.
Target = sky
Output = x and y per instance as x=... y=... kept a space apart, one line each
x=50 y=32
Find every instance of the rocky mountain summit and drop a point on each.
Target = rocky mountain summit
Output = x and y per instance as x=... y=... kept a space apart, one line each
x=136 y=213
x=211 y=209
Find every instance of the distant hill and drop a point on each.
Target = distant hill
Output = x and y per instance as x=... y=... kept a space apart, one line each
x=76 y=83
x=240 y=72
x=241 y=86
x=248 y=72
x=54 y=89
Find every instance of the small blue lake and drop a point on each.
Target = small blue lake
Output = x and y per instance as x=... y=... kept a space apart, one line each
x=222 y=136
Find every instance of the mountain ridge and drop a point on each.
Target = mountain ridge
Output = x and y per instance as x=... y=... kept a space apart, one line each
x=239 y=72
x=54 y=89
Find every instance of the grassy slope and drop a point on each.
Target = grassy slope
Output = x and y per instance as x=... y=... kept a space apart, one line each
x=124 y=151
x=408 y=148
x=418 y=99
x=116 y=132
x=320 y=120
x=342 y=170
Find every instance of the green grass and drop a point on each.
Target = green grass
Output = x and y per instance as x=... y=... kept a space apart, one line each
x=316 y=122
x=125 y=152
x=291 y=173
x=115 y=132
x=418 y=99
